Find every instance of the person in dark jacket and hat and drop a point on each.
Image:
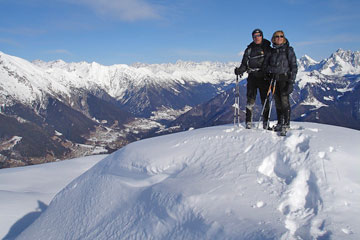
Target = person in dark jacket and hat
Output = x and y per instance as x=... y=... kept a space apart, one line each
x=281 y=64
x=252 y=63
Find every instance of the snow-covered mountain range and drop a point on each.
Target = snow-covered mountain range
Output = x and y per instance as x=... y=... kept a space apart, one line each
x=326 y=92
x=31 y=83
x=222 y=182
x=85 y=108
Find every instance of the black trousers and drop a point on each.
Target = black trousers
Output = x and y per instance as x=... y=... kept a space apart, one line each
x=256 y=81
x=282 y=102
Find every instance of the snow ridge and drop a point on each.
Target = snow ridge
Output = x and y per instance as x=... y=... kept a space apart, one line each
x=215 y=183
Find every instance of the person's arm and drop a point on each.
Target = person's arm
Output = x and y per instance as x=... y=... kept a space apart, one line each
x=244 y=63
x=292 y=64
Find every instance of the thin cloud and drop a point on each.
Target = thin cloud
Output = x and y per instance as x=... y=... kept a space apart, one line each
x=59 y=51
x=192 y=53
x=125 y=10
x=336 y=19
x=23 y=31
x=10 y=42
x=334 y=39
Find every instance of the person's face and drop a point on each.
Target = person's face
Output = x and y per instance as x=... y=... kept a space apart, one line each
x=279 y=38
x=257 y=37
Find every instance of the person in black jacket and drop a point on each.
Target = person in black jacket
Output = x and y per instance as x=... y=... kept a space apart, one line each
x=252 y=63
x=281 y=64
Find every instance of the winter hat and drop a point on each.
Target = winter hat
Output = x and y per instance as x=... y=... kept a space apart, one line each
x=257 y=30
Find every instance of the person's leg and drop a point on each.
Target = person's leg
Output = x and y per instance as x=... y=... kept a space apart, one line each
x=285 y=102
x=263 y=89
x=280 y=111
x=250 y=100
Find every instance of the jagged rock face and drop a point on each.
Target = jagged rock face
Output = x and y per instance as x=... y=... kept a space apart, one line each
x=86 y=108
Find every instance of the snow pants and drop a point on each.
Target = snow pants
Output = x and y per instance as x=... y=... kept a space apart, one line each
x=256 y=81
x=282 y=103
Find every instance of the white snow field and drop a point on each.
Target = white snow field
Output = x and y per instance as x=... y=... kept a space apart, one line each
x=25 y=192
x=222 y=182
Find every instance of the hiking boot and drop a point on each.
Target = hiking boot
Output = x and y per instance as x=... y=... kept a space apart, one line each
x=285 y=128
x=248 y=125
x=278 y=127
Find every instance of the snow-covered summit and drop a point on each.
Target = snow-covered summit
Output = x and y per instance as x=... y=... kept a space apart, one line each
x=307 y=63
x=341 y=62
x=216 y=183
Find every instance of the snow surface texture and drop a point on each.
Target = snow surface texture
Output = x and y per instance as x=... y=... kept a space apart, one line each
x=221 y=182
x=25 y=192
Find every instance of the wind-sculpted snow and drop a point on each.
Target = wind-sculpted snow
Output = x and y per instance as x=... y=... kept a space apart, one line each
x=216 y=183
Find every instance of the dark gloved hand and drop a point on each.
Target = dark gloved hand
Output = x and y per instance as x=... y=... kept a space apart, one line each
x=237 y=71
x=268 y=77
x=289 y=88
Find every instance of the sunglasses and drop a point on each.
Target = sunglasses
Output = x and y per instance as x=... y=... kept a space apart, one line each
x=258 y=35
x=279 y=36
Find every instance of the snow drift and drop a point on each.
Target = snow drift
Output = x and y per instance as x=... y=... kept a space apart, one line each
x=216 y=183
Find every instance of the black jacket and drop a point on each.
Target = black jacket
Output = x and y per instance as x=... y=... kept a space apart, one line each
x=282 y=61
x=254 y=56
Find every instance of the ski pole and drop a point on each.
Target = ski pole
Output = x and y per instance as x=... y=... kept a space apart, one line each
x=237 y=103
x=272 y=96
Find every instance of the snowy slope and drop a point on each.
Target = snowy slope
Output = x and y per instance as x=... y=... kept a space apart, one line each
x=25 y=192
x=216 y=183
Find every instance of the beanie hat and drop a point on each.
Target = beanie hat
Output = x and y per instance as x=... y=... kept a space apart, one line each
x=257 y=31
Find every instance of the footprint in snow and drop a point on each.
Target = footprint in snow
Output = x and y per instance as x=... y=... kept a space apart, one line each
x=347 y=231
x=297 y=143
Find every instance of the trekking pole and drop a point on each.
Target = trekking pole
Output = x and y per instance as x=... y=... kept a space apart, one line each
x=292 y=98
x=272 y=96
x=237 y=103
x=265 y=102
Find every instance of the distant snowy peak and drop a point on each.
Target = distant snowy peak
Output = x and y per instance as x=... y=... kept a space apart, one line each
x=210 y=72
x=340 y=63
x=29 y=81
x=307 y=63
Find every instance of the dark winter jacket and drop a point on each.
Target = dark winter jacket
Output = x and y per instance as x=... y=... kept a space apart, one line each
x=254 y=56
x=282 y=61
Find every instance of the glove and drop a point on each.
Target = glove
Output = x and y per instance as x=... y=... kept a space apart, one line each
x=289 y=88
x=238 y=72
x=268 y=77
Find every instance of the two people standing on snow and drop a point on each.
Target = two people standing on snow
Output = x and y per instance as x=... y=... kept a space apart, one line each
x=263 y=64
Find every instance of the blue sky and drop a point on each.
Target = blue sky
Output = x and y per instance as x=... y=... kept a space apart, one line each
x=159 y=31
